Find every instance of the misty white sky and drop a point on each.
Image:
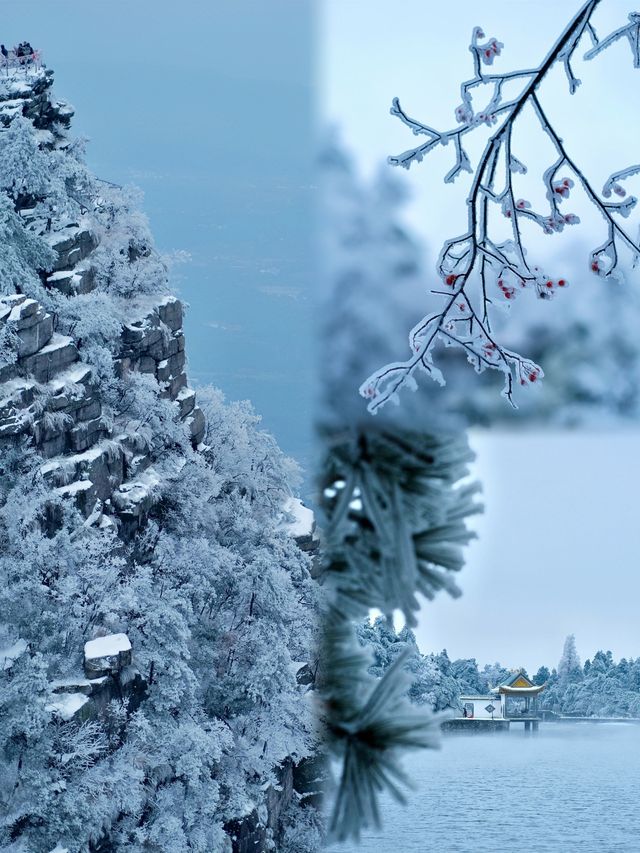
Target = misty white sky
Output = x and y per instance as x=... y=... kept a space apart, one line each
x=374 y=50
x=557 y=551
x=558 y=545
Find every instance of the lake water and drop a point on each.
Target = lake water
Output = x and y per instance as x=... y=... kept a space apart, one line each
x=571 y=788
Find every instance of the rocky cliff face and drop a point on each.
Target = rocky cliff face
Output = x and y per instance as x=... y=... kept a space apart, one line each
x=49 y=393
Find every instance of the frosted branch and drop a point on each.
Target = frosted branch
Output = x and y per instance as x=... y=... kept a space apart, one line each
x=477 y=272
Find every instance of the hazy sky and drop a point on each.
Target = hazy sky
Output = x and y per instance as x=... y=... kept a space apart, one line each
x=558 y=546
x=374 y=50
x=207 y=106
x=557 y=551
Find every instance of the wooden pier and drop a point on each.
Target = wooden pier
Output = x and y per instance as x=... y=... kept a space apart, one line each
x=531 y=724
x=498 y=724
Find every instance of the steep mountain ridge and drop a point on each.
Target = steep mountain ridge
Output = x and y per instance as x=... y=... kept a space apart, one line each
x=48 y=393
x=157 y=610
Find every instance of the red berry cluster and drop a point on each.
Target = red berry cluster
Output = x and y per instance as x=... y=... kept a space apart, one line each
x=508 y=291
x=490 y=50
x=530 y=373
x=562 y=187
x=550 y=284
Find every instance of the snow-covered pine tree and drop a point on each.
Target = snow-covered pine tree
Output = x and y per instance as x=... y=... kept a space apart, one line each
x=569 y=668
x=394 y=508
x=393 y=504
x=154 y=608
x=431 y=682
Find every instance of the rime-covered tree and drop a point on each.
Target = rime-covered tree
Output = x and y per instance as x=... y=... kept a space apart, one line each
x=603 y=688
x=569 y=668
x=542 y=676
x=432 y=682
x=371 y=277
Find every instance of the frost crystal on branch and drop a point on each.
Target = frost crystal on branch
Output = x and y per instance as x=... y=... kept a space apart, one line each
x=480 y=271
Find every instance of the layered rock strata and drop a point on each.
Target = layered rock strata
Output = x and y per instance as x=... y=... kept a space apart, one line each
x=48 y=394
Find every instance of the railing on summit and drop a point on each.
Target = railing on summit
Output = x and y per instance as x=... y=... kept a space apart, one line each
x=28 y=61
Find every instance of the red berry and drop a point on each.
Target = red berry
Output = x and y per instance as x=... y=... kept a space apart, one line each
x=533 y=377
x=594 y=266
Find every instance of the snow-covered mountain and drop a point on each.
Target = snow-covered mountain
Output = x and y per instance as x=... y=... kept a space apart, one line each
x=156 y=600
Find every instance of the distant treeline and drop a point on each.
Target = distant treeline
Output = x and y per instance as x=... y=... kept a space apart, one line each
x=601 y=687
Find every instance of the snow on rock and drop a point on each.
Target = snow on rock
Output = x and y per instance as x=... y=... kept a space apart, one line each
x=9 y=654
x=59 y=849
x=68 y=705
x=107 y=654
x=137 y=495
x=77 y=684
x=302 y=523
x=72 y=489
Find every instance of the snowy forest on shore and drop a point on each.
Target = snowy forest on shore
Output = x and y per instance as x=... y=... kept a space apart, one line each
x=601 y=687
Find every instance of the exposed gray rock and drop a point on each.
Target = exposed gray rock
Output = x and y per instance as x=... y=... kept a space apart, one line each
x=72 y=281
x=186 y=400
x=197 y=425
x=107 y=655
x=103 y=465
x=170 y=367
x=50 y=395
x=32 y=325
x=51 y=359
x=170 y=312
x=78 y=684
x=175 y=385
x=86 y=434
x=72 y=245
x=82 y=493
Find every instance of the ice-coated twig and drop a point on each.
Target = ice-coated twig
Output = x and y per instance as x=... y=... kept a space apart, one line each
x=630 y=30
x=476 y=270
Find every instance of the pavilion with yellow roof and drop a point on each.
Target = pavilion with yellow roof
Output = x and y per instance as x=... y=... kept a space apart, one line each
x=519 y=698
x=514 y=700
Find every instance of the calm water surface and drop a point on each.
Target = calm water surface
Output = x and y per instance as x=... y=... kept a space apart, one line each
x=571 y=788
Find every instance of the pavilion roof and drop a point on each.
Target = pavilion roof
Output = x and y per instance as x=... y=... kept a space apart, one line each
x=517 y=678
x=519 y=691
